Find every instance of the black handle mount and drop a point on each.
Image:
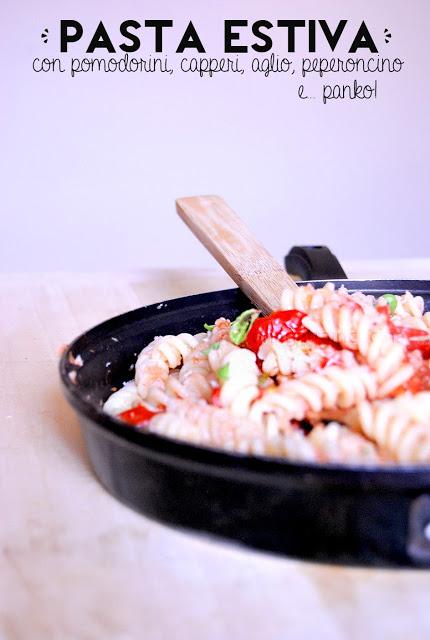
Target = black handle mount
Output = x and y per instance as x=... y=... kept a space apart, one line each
x=314 y=263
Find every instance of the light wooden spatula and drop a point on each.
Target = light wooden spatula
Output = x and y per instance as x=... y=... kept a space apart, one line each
x=231 y=243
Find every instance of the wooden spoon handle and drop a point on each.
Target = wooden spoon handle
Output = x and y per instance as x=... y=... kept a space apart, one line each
x=231 y=243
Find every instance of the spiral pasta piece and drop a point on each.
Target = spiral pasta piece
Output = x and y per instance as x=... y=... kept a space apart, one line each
x=194 y=379
x=194 y=375
x=355 y=323
x=336 y=443
x=197 y=376
x=306 y=298
x=122 y=400
x=314 y=392
x=297 y=358
x=221 y=331
x=367 y=333
x=409 y=311
x=203 y=424
x=401 y=426
x=158 y=358
x=407 y=305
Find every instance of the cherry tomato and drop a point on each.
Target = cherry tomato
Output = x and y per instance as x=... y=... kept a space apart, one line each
x=420 y=381
x=215 y=400
x=281 y=325
x=418 y=339
x=137 y=416
x=424 y=347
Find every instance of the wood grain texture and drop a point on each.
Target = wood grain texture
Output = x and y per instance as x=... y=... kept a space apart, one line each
x=232 y=244
x=75 y=564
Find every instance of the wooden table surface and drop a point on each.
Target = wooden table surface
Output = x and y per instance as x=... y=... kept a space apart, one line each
x=77 y=564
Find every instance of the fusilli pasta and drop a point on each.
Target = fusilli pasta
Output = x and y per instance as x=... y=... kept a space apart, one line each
x=401 y=426
x=204 y=424
x=158 y=358
x=332 y=377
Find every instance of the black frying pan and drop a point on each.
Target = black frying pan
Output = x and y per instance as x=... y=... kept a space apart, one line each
x=352 y=514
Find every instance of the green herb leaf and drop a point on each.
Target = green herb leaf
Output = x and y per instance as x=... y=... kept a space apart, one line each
x=223 y=372
x=208 y=327
x=214 y=347
x=391 y=301
x=240 y=327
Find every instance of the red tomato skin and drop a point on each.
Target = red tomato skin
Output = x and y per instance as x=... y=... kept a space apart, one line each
x=215 y=399
x=282 y=326
x=420 y=381
x=137 y=416
x=417 y=339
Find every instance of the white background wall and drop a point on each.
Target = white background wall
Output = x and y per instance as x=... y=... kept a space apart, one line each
x=91 y=166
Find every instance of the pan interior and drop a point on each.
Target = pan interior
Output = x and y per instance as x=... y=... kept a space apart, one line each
x=109 y=350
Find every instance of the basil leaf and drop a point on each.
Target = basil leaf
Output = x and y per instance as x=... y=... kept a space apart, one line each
x=391 y=301
x=223 y=372
x=241 y=326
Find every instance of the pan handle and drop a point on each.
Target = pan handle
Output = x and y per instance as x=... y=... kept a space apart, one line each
x=313 y=263
x=418 y=542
